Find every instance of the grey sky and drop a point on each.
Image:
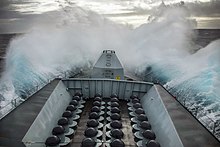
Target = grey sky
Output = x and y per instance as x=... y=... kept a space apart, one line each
x=18 y=15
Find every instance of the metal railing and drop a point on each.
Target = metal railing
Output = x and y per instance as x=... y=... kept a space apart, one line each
x=201 y=115
x=15 y=102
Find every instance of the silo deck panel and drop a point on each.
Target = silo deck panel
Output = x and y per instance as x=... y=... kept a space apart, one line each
x=14 y=126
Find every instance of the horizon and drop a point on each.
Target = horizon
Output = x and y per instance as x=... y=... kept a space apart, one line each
x=19 y=17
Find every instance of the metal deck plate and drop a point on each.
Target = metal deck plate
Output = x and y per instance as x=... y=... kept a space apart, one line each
x=190 y=131
x=14 y=126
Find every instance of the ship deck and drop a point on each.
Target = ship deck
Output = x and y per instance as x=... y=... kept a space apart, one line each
x=14 y=126
x=190 y=130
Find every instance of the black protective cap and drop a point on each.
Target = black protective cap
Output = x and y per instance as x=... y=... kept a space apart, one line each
x=91 y=132
x=95 y=109
x=133 y=96
x=78 y=94
x=67 y=114
x=71 y=108
x=94 y=115
x=63 y=121
x=142 y=117
x=74 y=102
x=134 y=101
x=137 y=105
x=115 y=110
x=114 y=99
x=88 y=142
x=117 y=143
x=116 y=124
x=152 y=143
x=114 y=104
x=139 y=111
x=99 y=99
x=116 y=133
x=96 y=103
x=115 y=116
x=92 y=123
x=58 y=130
x=77 y=98
x=52 y=141
x=145 y=125
x=149 y=134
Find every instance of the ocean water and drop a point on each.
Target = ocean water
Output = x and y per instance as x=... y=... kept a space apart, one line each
x=168 y=51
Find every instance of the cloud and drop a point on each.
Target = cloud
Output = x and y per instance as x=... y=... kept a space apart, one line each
x=205 y=9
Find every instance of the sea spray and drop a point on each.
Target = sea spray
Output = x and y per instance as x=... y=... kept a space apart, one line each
x=52 y=50
x=161 y=51
x=49 y=50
